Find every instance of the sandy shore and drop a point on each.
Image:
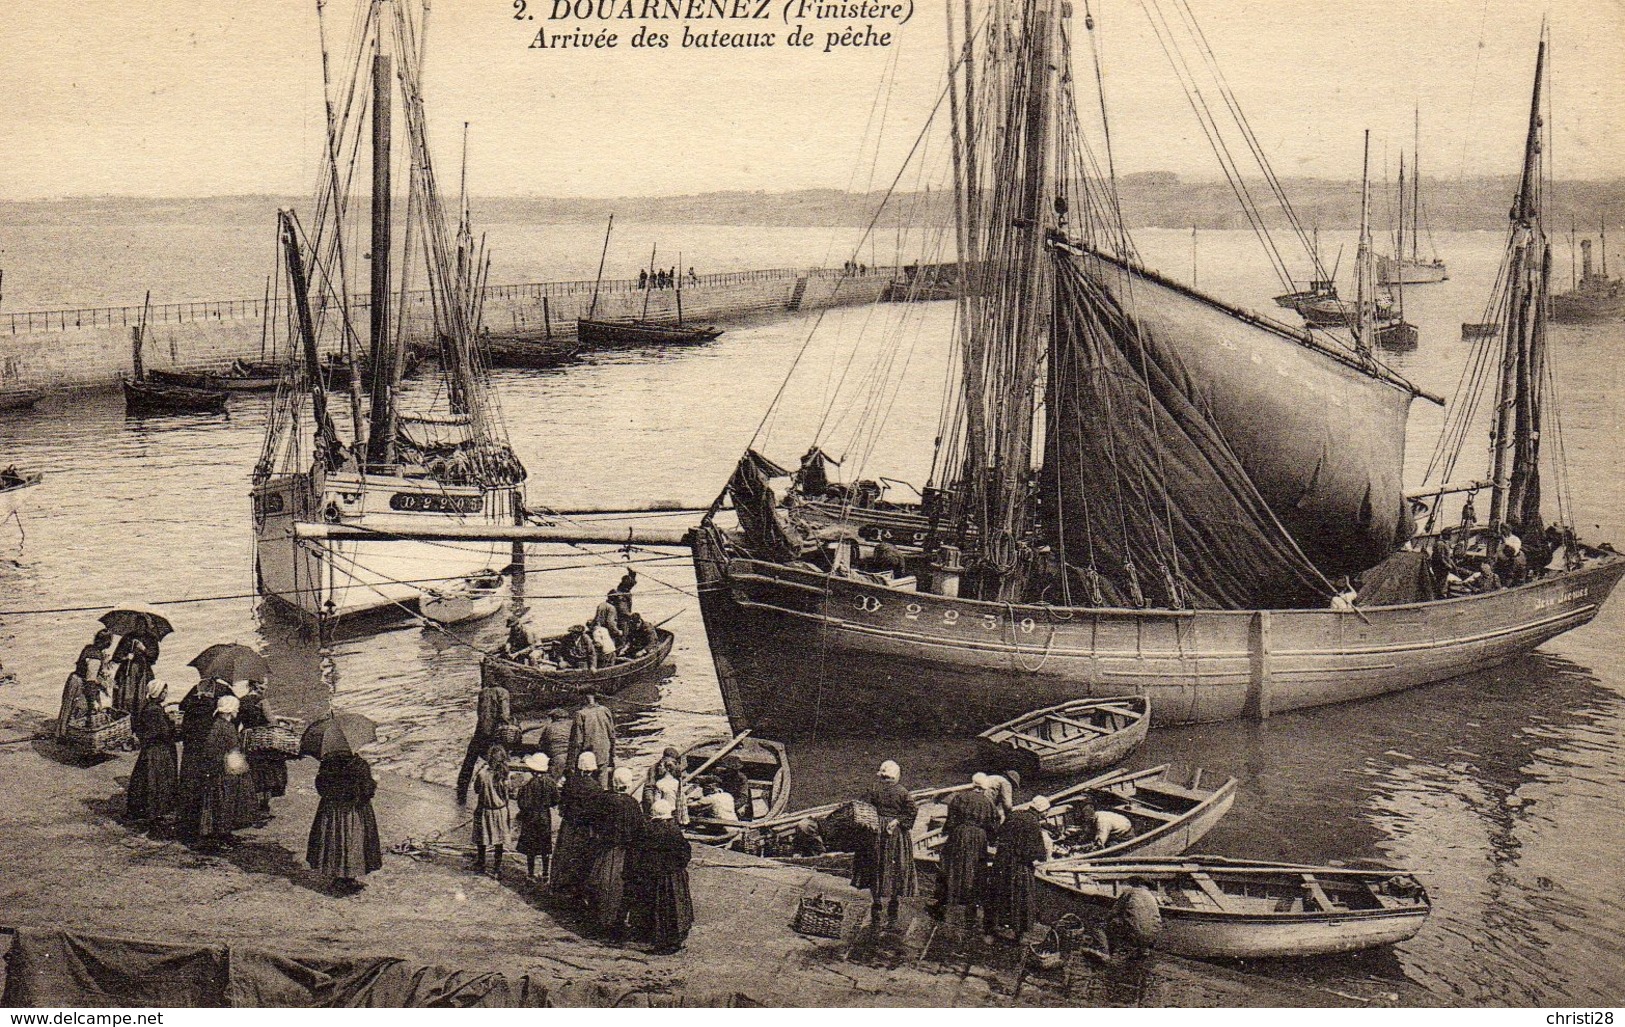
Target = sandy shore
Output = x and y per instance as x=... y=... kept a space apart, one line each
x=70 y=861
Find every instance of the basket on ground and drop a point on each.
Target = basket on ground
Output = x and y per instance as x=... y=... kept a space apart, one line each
x=102 y=733
x=820 y=917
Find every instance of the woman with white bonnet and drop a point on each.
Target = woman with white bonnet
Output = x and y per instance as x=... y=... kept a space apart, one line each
x=620 y=824
x=537 y=798
x=886 y=866
x=151 y=794
x=657 y=885
x=1020 y=843
x=972 y=819
x=577 y=799
x=216 y=791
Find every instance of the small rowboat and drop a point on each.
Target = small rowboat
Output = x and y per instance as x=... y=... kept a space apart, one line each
x=145 y=397
x=533 y=354
x=472 y=598
x=641 y=333
x=1073 y=738
x=783 y=838
x=20 y=399
x=1480 y=329
x=1168 y=817
x=14 y=492
x=1238 y=909
x=538 y=687
x=766 y=766
x=240 y=377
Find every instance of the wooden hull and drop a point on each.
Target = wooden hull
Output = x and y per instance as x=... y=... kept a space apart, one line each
x=20 y=399
x=1257 y=910
x=529 y=354
x=1169 y=817
x=1072 y=738
x=15 y=497
x=641 y=333
x=1411 y=272
x=259 y=382
x=766 y=764
x=459 y=606
x=1480 y=329
x=539 y=687
x=1397 y=336
x=331 y=580
x=1578 y=308
x=799 y=651
x=144 y=399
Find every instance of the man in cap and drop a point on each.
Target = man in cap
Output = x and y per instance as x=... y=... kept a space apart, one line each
x=494 y=712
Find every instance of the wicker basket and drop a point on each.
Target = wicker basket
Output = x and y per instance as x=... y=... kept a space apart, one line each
x=858 y=814
x=100 y=735
x=279 y=739
x=820 y=917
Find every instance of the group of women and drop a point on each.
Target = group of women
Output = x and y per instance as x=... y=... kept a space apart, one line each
x=622 y=861
x=987 y=860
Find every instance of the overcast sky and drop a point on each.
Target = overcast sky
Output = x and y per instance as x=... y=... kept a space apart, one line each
x=215 y=97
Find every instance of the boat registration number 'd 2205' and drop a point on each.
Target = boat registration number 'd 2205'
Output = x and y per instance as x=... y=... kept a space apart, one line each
x=436 y=503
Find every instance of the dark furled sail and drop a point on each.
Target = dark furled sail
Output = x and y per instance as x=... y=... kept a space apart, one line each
x=1203 y=461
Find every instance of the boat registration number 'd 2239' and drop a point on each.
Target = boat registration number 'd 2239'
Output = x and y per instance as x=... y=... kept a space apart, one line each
x=436 y=502
x=948 y=617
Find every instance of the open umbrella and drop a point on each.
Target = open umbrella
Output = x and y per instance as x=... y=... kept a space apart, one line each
x=136 y=619
x=335 y=732
x=231 y=661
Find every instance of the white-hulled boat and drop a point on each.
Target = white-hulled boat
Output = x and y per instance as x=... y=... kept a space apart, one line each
x=419 y=458
x=467 y=599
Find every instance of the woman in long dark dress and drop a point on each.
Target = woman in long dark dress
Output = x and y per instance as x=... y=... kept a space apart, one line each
x=886 y=865
x=151 y=794
x=536 y=801
x=621 y=822
x=344 y=836
x=572 y=860
x=267 y=768
x=662 y=909
x=216 y=798
x=134 y=657
x=972 y=819
x=197 y=716
x=1020 y=843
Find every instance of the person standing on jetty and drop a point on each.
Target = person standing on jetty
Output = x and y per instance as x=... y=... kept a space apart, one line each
x=214 y=809
x=268 y=768
x=577 y=800
x=1021 y=842
x=555 y=741
x=886 y=866
x=537 y=798
x=621 y=824
x=594 y=732
x=344 y=836
x=151 y=793
x=972 y=819
x=493 y=822
x=494 y=712
x=657 y=883
x=197 y=716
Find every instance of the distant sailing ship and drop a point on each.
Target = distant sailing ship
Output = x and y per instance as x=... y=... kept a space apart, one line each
x=427 y=456
x=1376 y=316
x=1594 y=296
x=1413 y=269
x=1177 y=516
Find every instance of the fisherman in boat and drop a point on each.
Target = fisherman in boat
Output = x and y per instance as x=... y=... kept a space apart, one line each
x=494 y=714
x=1345 y=595
x=606 y=628
x=1101 y=827
x=577 y=649
x=1511 y=565
x=641 y=637
x=521 y=635
x=715 y=802
x=971 y=822
x=623 y=591
x=593 y=730
x=731 y=776
x=886 y=865
x=1020 y=843
x=11 y=477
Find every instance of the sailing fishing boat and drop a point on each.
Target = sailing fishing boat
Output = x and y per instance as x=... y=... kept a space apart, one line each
x=1377 y=314
x=1147 y=490
x=146 y=396
x=432 y=455
x=1413 y=269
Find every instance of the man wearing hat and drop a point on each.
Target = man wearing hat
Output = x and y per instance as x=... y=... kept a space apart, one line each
x=537 y=798
x=593 y=730
x=494 y=713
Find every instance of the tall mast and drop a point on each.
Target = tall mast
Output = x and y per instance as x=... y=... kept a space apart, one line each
x=1399 y=241
x=1416 y=181
x=381 y=436
x=299 y=293
x=1365 y=274
x=596 y=282
x=1514 y=467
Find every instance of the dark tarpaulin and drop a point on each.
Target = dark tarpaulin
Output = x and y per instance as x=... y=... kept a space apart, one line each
x=1400 y=579
x=767 y=534
x=64 y=968
x=260 y=979
x=1140 y=485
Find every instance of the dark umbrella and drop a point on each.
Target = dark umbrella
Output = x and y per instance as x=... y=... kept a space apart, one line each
x=231 y=661
x=335 y=732
x=136 y=621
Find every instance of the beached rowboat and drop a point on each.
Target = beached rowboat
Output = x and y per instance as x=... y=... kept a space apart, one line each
x=766 y=766
x=1073 y=738
x=538 y=687
x=1168 y=817
x=1237 y=909
x=641 y=333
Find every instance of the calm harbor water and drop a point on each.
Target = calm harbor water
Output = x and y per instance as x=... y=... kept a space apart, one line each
x=1502 y=789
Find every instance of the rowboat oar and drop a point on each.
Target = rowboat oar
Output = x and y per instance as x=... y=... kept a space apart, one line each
x=725 y=750
x=668 y=620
